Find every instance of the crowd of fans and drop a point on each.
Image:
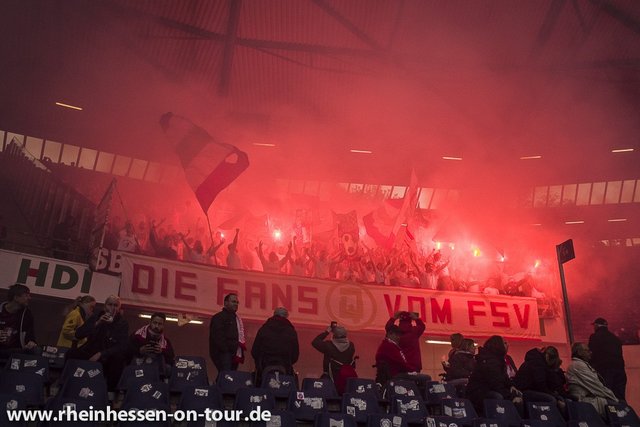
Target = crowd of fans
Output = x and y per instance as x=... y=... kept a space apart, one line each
x=596 y=374
x=399 y=266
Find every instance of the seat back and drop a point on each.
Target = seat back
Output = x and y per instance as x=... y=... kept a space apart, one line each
x=503 y=410
x=133 y=375
x=360 y=405
x=362 y=385
x=386 y=420
x=401 y=387
x=249 y=398
x=281 y=385
x=10 y=402
x=306 y=405
x=410 y=407
x=332 y=419
x=436 y=391
x=188 y=371
x=151 y=395
x=489 y=422
x=443 y=421
x=544 y=411
x=55 y=355
x=91 y=390
x=20 y=362
x=229 y=382
x=196 y=398
x=584 y=412
x=26 y=385
x=460 y=409
x=60 y=403
x=76 y=368
x=279 y=418
x=623 y=414
x=324 y=386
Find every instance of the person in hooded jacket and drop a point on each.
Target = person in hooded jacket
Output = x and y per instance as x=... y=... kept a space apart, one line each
x=462 y=362
x=410 y=338
x=540 y=378
x=489 y=379
x=276 y=343
x=337 y=351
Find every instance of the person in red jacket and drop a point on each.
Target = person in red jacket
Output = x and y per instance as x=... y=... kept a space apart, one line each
x=410 y=338
x=390 y=359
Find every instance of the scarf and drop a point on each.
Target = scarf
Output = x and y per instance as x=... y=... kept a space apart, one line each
x=142 y=333
x=239 y=356
x=341 y=344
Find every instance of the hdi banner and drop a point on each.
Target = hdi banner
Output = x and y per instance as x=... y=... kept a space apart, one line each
x=182 y=287
x=54 y=277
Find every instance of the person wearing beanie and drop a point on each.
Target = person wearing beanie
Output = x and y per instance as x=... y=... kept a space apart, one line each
x=412 y=328
x=606 y=357
x=276 y=344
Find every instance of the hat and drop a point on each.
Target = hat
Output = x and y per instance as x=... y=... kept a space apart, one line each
x=600 y=322
x=281 y=311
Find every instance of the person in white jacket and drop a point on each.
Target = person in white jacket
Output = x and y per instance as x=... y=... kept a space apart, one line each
x=584 y=382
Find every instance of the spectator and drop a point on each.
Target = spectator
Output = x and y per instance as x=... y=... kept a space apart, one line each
x=75 y=316
x=127 y=241
x=226 y=336
x=540 y=378
x=337 y=352
x=489 y=379
x=606 y=357
x=163 y=248
x=456 y=341
x=233 y=257
x=276 y=344
x=390 y=359
x=273 y=264
x=410 y=338
x=462 y=362
x=107 y=334
x=150 y=344
x=585 y=385
x=16 y=322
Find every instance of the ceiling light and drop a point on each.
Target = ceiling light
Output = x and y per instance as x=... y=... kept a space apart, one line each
x=536 y=224
x=362 y=151
x=73 y=107
x=264 y=144
x=171 y=319
x=530 y=157
x=451 y=158
x=622 y=150
x=574 y=222
x=617 y=220
x=438 y=342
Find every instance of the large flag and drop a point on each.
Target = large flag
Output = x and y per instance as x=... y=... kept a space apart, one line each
x=209 y=166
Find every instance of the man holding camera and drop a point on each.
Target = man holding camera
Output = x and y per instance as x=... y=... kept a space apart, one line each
x=150 y=345
x=337 y=351
x=409 y=340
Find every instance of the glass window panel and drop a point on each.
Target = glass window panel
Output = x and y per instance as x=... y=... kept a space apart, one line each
x=154 y=172
x=356 y=188
x=636 y=198
x=69 y=154
x=52 y=151
x=121 y=166
x=569 y=194
x=15 y=137
x=33 y=147
x=296 y=186
x=425 y=198
x=87 y=158
x=613 y=192
x=555 y=192
x=584 y=191
x=311 y=187
x=597 y=194
x=385 y=191
x=137 y=168
x=439 y=196
x=636 y=241
x=398 y=192
x=370 y=190
x=540 y=197
x=105 y=162
x=627 y=191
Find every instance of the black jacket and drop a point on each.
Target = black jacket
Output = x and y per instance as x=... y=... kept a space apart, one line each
x=535 y=375
x=330 y=351
x=606 y=350
x=461 y=365
x=107 y=338
x=276 y=343
x=490 y=374
x=223 y=333
x=26 y=329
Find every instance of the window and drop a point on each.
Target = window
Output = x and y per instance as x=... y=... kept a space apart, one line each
x=87 y=158
x=569 y=194
x=69 y=154
x=627 y=191
x=597 y=194
x=154 y=172
x=613 y=192
x=33 y=147
x=424 y=200
x=584 y=191
x=105 y=162
x=121 y=166
x=52 y=151
x=555 y=193
x=137 y=169
x=398 y=192
x=540 y=197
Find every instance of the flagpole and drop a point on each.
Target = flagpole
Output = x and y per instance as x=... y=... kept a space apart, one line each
x=215 y=259
x=565 y=295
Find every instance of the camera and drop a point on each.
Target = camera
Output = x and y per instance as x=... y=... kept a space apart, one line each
x=334 y=324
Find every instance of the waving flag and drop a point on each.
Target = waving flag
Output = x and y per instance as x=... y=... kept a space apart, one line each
x=209 y=166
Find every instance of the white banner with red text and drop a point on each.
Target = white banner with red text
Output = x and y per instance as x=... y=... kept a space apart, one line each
x=182 y=287
x=54 y=277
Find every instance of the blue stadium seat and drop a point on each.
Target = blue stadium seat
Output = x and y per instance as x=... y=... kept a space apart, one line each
x=362 y=385
x=188 y=371
x=547 y=412
x=229 y=382
x=622 y=414
x=443 y=421
x=583 y=412
x=281 y=385
x=55 y=355
x=10 y=402
x=134 y=375
x=436 y=391
x=198 y=399
x=503 y=410
x=386 y=420
x=460 y=409
x=360 y=405
x=249 y=398
x=91 y=390
x=306 y=405
x=324 y=386
x=401 y=387
x=59 y=403
x=76 y=368
x=20 y=362
x=148 y=396
x=27 y=385
x=410 y=407
x=331 y=419
x=279 y=418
